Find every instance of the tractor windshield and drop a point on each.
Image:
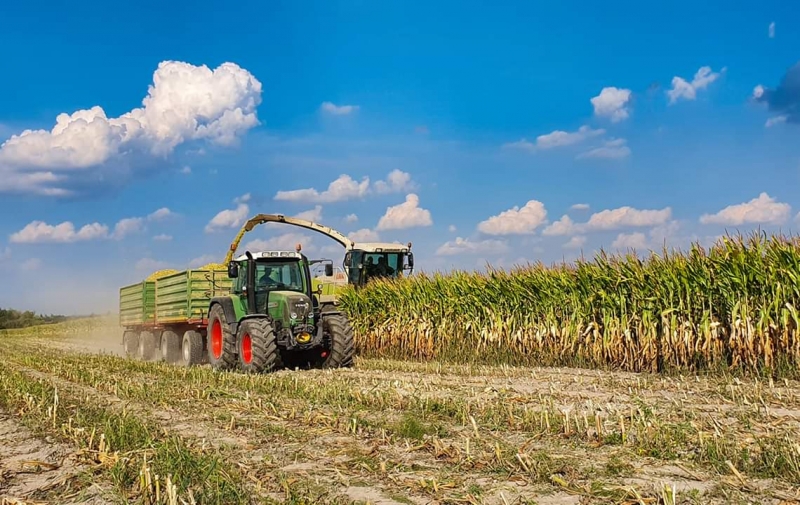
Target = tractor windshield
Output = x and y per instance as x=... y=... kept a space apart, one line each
x=279 y=274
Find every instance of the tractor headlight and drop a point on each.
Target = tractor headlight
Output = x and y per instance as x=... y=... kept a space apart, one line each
x=303 y=337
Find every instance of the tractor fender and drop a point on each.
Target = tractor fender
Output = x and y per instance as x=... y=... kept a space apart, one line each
x=227 y=309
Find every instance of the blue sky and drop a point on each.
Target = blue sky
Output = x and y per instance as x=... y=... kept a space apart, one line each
x=479 y=120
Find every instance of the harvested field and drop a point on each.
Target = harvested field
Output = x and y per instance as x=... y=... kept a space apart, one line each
x=384 y=432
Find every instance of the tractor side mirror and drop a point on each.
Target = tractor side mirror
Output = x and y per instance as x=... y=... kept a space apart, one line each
x=233 y=270
x=411 y=260
x=329 y=270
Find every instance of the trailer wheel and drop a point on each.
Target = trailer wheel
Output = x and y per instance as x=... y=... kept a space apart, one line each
x=130 y=343
x=147 y=346
x=221 y=342
x=170 y=346
x=257 y=346
x=192 y=348
x=340 y=354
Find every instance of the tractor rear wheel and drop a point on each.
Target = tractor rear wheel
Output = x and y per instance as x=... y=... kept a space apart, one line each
x=192 y=348
x=170 y=346
x=130 y=343
x=342 y=347
x=221 y=342
x=257 y=346
x=147 y=346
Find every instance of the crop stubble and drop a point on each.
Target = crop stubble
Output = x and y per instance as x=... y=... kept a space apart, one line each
x=407 y=432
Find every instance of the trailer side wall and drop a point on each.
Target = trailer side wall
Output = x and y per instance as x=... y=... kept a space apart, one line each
x=137 y=303
x=184 y=296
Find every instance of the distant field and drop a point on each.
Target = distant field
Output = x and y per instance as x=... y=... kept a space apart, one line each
x=79 y=424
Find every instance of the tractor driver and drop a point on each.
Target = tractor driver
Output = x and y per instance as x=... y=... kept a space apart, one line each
x=267 y=280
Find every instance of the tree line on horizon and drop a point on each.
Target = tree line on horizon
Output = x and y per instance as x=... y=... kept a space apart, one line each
x=12 y=319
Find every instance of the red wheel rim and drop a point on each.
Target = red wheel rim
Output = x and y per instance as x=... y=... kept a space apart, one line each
x=216 y=339
x=247 y=348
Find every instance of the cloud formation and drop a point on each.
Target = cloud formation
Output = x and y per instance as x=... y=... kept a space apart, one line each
x=405 y=215
x=760 y=210
x=338 y=110
x=611 y=150
x=466 y=246
x=688 y=90
x=516 y=221
x=185 y=103
x=557 y=138
x=346 y=188
x=610 y=219
x=612 y=103
x=784 y=99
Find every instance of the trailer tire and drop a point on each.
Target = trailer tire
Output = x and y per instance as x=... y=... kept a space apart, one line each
x=130 y=343
x=147 y=346
x=192 y=348
x=221 y=342
x=170 y=347
x=342 y=341
x=257 y=346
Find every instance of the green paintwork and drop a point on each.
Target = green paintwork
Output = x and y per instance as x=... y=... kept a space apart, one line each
x=137 y=303
x=239 y=306
x=186 y=295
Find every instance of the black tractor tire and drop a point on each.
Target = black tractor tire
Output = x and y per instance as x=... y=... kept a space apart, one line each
x=342 y=350
x=257 y=347
x=130 y=343
x=170 y=347
x=221 y=342
x=147 y=346
x=192 y=349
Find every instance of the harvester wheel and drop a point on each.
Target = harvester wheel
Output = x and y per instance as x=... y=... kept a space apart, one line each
x=221 y=342
x=342 y=347
x=130 y=342
x=147 y=346
x=257 y=346
x=170 y=346
x=192 y=348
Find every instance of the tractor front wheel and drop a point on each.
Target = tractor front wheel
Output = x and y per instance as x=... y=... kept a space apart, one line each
x=257 y=346
x=221 y=342
x=342 y=346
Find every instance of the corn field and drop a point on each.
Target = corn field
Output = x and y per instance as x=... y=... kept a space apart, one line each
x=733 y=305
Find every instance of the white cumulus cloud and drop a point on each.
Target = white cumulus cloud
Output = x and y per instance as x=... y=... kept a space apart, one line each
x=762 y=210
x=364 y=235
x=580 y=206
x=351 y=218
x=128 y=226
x=184 y=103
x=612 y=103
x=516 y=221
x=230 y=218
x=405 y=215
x=41 y=232
x=610 y=219
x=338 y=110
x=636 y=240
x=314 y=215
x=611 y=150
x=575 y=242
x=465 y=246
x=397 y=181
x=346 y=188
x=557 y=138
x=564 y=226
x=343 y=188
x=688 y=90
x=283 y=242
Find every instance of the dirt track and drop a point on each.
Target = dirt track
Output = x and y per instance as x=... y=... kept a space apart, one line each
x=389 y=432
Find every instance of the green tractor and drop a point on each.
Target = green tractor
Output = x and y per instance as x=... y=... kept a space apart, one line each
x=272 y=317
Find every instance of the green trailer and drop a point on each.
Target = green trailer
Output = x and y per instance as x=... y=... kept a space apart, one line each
x=169 y=314
x=256 y=312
